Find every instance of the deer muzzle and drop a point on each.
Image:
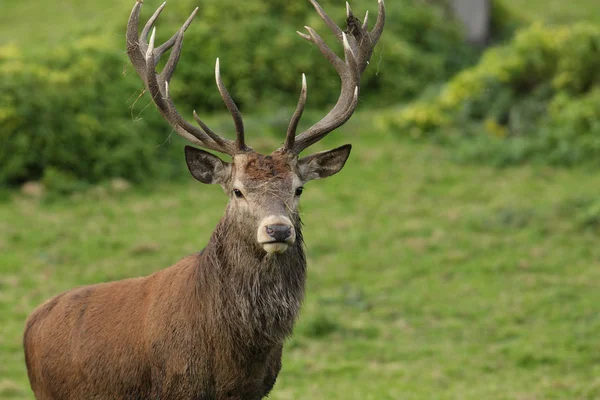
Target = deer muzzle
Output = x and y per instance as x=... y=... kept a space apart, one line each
x=276 y=233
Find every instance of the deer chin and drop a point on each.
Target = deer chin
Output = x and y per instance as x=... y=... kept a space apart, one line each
x=275 y=247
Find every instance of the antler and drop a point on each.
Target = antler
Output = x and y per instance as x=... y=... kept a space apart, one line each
x=144 y=57
x=358 y=46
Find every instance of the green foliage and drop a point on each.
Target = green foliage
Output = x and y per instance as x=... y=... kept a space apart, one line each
x=262 y=57
x=555 y=11
x=536 y=97
x=504 y=21
x=66 y=118
x=64 y=110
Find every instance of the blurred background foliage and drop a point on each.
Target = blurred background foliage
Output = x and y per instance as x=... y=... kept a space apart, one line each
x=72 y=110
x=534 y=98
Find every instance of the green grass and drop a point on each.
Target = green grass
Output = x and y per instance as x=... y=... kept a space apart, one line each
x=427 y=279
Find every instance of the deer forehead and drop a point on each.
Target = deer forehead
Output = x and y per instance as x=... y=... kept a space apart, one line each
x=252 y=169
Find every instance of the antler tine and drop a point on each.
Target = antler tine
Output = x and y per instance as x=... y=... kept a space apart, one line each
x=208 y=131
x=378 y=29
x=358 y=45
x=232 y=107
x=291 y=132
x=144 y=57
x=348 y=10
x=332 y=25
x=136 y=54
x=151 y=21
x=329 y=54
x=160 y=50
x=366 y=21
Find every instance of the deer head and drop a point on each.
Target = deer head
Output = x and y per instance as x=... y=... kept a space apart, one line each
x=263 y=190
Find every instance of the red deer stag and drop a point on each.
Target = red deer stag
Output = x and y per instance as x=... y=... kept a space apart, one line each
x=213 y=325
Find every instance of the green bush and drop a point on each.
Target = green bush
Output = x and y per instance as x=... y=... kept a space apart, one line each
x=538 y=97
x=68 y=116
x=262 y=57
x=65 y=112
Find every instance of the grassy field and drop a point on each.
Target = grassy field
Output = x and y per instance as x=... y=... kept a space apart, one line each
x=439 y=281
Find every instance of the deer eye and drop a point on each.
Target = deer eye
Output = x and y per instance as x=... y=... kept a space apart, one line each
x=299 y=191
x=238 y=193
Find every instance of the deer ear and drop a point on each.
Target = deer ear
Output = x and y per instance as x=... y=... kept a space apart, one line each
x=206 y=167
x=323 y=164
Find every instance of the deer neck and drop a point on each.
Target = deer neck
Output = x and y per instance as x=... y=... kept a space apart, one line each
x=257 y=295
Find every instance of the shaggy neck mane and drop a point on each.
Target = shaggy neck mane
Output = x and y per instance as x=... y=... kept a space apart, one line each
x=255 y=296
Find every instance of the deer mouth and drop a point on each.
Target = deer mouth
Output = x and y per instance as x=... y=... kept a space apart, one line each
x=275 y=247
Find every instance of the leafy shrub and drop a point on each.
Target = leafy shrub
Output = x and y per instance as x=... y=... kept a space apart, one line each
x=536 y=97
x=262 y=57
x=65 y=115
x=68 y=117
x=504 y=21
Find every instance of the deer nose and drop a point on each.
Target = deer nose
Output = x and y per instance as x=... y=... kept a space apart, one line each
x=279 y=232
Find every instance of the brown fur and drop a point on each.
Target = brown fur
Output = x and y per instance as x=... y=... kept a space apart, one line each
x=210 y=327
x=259 y=167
